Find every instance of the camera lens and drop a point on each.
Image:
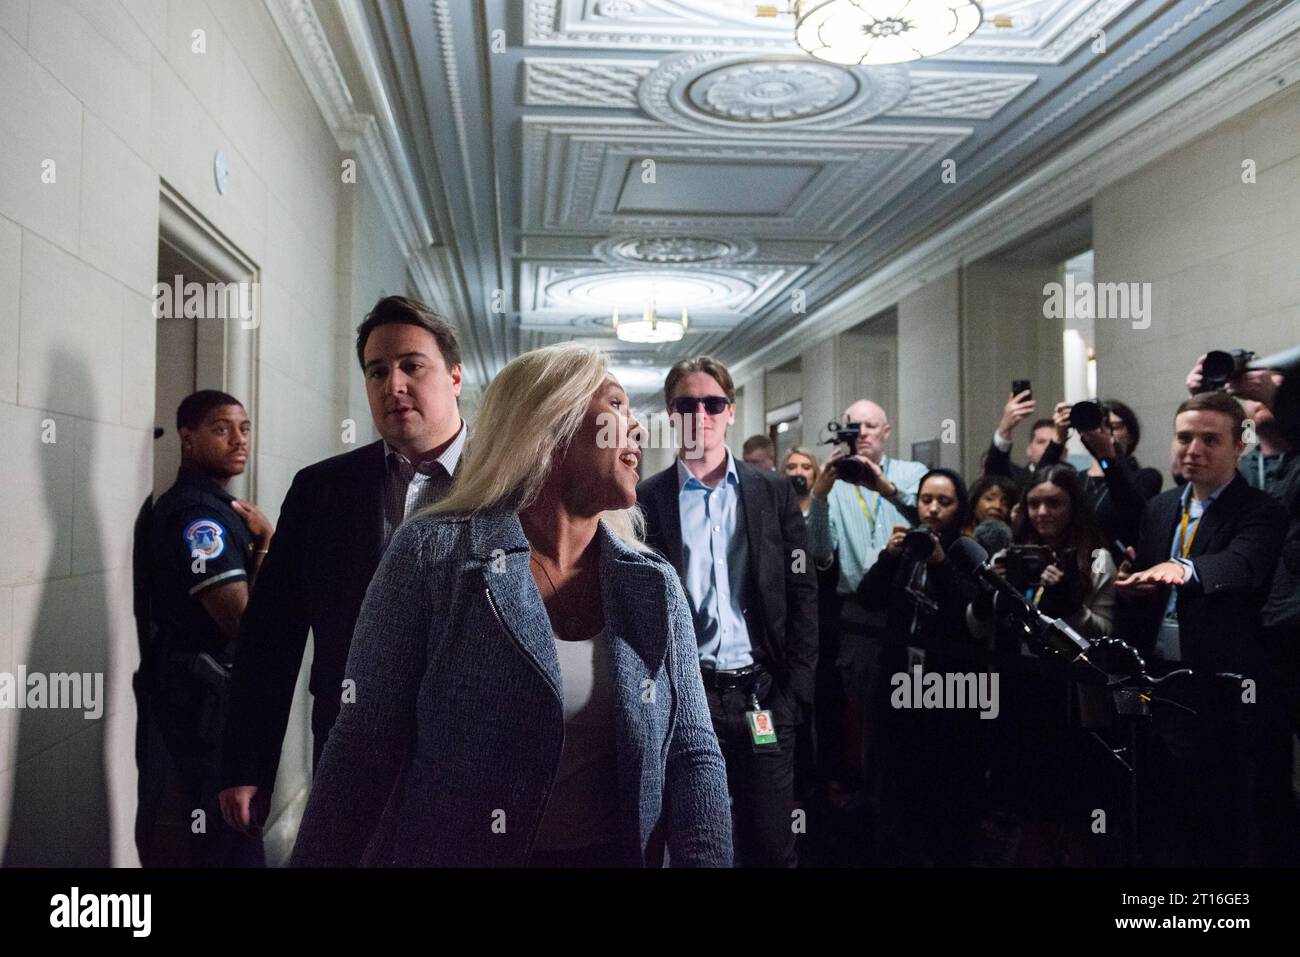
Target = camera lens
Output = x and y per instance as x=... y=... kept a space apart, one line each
x=1085 y=416
x=917 y=544
x=1217 y=369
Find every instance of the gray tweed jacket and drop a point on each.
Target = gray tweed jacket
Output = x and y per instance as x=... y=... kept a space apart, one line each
x=447 y=746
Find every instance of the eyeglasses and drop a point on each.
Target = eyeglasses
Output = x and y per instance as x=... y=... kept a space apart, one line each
x=713 y=404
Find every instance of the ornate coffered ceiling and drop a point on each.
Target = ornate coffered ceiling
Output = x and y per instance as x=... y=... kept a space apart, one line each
x=580 y=155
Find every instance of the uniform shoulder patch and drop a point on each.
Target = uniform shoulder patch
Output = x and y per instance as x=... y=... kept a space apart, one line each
x=205 y=537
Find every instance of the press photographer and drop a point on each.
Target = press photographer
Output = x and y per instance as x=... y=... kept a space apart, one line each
x=928 y=762
x=1115 y=484
x=1044 y=773
x=1020 y=406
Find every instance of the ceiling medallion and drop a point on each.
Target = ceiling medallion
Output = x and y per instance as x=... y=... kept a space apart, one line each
x=629 y=289
x=673 y=250
x=867 y=33
x=616 y=9
x=708 y=92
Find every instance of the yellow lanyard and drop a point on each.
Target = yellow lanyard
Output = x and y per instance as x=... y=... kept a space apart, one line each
x=1185 y=540
x=866 y=510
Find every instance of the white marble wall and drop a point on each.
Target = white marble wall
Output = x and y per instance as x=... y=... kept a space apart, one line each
x=113 y=92
x=1222 y=255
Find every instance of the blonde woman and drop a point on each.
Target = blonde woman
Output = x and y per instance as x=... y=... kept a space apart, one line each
x=523 y=685
x=799 y=462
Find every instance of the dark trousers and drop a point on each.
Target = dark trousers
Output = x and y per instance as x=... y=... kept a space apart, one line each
x=761 y=784
x=828 y=706
x=179 y=822
x=1277 y=842
x=860 y=650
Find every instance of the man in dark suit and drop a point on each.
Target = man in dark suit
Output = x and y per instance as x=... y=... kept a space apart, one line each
x=334 y=525
x=736 y=537
x=1206 y=554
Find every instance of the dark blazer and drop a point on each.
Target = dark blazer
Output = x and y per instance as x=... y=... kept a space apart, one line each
x=782 y=613
x=997 y=462
x=457 y=727
x=327 y=545
x=1235 y=550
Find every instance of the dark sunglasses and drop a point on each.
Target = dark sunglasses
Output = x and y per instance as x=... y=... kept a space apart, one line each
x=713 y=404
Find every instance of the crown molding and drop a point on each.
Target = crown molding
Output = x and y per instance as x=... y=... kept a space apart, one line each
x=1249 y=69
x=375 y=141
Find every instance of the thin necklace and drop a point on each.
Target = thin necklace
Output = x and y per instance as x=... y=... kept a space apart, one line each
x=573 y=627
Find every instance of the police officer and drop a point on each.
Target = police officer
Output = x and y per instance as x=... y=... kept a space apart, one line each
x=206 y=548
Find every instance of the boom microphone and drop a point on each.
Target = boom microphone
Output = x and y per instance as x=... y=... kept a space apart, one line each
x=993 y=535
x=970 y=558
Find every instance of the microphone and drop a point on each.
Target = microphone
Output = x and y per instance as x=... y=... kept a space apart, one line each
x=970 y=558
x=993 y=535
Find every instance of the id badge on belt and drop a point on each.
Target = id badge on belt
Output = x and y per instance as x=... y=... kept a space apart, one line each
x=762 y=729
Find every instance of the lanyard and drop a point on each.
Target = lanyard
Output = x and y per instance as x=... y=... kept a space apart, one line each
x=1185 y=540
x=866 y=509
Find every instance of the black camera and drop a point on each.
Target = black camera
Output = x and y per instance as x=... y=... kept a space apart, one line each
x=847 y=469
x=918 y=544
x=1087 y=415
x=800 y=483
x=1025 y=564
x=1220 y=366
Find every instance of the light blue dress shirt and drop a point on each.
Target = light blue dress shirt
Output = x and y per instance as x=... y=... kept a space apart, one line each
x=715 y=554
x=856 y=523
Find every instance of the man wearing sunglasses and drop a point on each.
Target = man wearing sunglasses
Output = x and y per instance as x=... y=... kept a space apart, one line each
x=736 y=537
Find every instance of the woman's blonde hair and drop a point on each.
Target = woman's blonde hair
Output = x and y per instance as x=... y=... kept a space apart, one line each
x=530 y=412
x=800 y=450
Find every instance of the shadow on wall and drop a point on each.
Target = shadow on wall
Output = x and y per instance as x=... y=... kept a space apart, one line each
x=59 y=815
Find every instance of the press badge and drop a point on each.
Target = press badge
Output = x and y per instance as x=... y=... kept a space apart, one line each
x=762 y=729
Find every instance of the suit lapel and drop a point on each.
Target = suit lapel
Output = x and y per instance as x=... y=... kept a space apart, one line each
x=625 y=581
x=365 y=506
x=753 y=509
x=1215 y=518
x=638 y=647
x=1166 y=521
x=498 y=540
x=669 y=510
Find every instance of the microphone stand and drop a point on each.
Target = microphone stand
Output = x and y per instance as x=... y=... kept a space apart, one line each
x=1131 y=692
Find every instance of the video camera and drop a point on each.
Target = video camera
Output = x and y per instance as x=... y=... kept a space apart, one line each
x=850 y=470
x=1024 y=564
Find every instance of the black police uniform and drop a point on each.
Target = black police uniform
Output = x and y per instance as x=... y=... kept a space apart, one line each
x=197 y=540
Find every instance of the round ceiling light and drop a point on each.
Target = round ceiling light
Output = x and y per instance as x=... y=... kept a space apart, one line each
x=870 y=32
